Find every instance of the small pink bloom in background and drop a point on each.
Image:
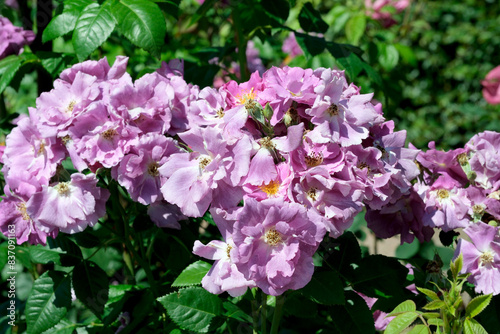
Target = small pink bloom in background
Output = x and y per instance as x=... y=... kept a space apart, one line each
x=491 y=86
x=12 y=38
x=12 y=3
x=381 y=10
x=291 y=48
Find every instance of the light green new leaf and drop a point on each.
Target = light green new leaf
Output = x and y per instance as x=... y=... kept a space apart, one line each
x=401 y=322
x=406 y=306
x=419 y=329
x=471 y=326
x=192 y=308
x=48 y=302
x=60 y=25
x=93 y=28
x=434 y=305
x=429 y=293
x=193 y=274
x=477 y=305
x=355 y=28
x=142 y=22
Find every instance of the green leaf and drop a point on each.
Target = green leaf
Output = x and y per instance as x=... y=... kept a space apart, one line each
x=48 y=302
x=73 y=255
x=277 y=8
x=8 y=69
x=93 y=28
x=355 y=28
x=471 y=326
x=407 y=54
x=169 y=7
x=406 y=306
x=233 y=311
x=347 y=58
x=193 y=274
x=431 y=315
x=325 y=288
x=192 y=308
x=60 y=25
x=435 y=322
x=201 y=11
x=400 y=323
x=63 y=327
x=310 y=19
x=434 y=305
x=354 y=317
x=91 y=286
x=456 y=266
x=419 y=329
x=142 y=22
x=55 y=62
x=382 y=277
x=76 y=5
x=311 y=45
x=116 y=292
x=388 y=56
x=477 y=305
x=342 y=252
x=429 y=293
x=44 y=255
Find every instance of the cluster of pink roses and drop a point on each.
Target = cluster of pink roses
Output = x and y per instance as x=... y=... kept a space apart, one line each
x=12 y=38
x=461 y=189
x=280 y=160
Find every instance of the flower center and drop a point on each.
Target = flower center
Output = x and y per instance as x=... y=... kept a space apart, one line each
x=333 y=110
x=204 y=161
x=272 y=237
x=70 y=107
x=267 y=143
x=109 y=134
x=246 y=96
x=462 y=159
x=65 y=139
x=22 y=208
x=478 y=209
x=62 y=188
x=220 y=113
x=443 y=194
x=153 y=169
x=313 y=159
x=363 y=165
x=41 y=149
x=271 y=188
x=486 y=258
x=495 y=195
x=311 y=193
x=228 y=250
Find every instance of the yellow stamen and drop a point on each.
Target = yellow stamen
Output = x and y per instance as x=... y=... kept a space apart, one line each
x=272 y=237
x=271 y=188
x=153 y=169
x=313 y=159
x=62 y=188
x=109 y=134
x=443 y=193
